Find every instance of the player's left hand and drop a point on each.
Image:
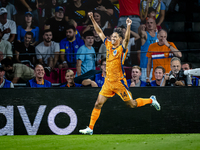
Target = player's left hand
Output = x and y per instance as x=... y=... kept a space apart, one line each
x=128 y=21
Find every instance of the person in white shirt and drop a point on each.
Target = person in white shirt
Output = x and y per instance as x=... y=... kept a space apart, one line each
x=8 y=27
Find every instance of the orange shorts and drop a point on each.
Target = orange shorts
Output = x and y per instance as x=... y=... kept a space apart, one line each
x=119 y=87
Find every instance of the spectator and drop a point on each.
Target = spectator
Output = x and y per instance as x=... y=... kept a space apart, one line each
x=25 y=48
x=5 y=47
x=69 y=47
x=101 y=21
x=160 y=53
x=102 y=5
x=100 y=78
x=73 y=23
x=17 y=73
x=135 y=80
x=11 y=11
x=4 y=83
x=57 y=24
x=86 y=55
x=69 y=76
x=76 y=10
x=28 y=26
x=39 y=81
x=8 y=27
x=188 y=66
x=129 y=9
x=30 y=6
x=147 y=38
x=174 y=78
x=49 y=9
x=159 y=75
x=47 y=52
x=158 y=5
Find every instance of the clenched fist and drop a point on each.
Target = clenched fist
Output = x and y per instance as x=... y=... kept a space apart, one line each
x=128 y=21
x=90 y=14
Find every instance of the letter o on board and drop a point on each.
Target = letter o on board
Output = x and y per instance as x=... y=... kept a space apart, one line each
x=62 y=109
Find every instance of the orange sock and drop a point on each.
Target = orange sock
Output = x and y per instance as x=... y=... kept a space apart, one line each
x=94 y=116
x=143 y=101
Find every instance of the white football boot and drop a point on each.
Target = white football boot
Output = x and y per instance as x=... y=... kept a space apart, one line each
x=155 y=103
x=86 y=131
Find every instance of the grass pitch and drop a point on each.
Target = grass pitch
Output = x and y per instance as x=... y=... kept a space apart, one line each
x=102 y=142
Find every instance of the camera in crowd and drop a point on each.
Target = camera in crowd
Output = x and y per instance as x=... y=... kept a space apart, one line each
x=182 y=74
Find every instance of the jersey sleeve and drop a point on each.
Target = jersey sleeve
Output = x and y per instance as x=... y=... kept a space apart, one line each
x=173 y=45
x=149 y=52
x=62 y=46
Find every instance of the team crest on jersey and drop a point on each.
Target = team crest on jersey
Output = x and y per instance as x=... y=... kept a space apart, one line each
x=76 y=46
x=114 y=52
x=66 y=47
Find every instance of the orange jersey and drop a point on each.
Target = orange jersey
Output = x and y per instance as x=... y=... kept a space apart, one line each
x=114 y=61
x=161 y=56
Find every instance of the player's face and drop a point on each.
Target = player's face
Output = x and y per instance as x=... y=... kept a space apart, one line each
x=115 y=39
x=59 y=14
x=39 y=71
x=70 y=34
x=47 y=37
x=70 y=77
x=158 y=74
x=185 y=67
x=136 y=73
x=89 y=40
x=162 y=36
x=27 y=38
x=28 y=18
x=103 y=66
x=175 y=66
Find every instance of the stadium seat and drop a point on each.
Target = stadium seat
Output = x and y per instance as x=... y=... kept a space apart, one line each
x=54 y=76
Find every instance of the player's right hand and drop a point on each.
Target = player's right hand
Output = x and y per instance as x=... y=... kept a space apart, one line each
x=90 y=14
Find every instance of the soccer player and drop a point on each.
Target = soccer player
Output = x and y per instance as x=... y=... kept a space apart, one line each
x=115 y=81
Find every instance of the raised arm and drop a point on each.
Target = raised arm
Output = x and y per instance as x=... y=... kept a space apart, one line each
x=127 y=34
x=96 y=27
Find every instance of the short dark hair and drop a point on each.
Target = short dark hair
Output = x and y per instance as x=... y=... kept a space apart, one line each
x=7 y=62
x=88 y=33
x=102 y=60
x=151 y=9
x=29 y=33
x=119 y=32
x=107 y=32
x=47 y=30
x=160 y=67
x=190 y=65
x=70 y=27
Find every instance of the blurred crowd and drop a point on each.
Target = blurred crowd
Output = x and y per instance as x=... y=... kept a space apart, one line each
x=39 y=38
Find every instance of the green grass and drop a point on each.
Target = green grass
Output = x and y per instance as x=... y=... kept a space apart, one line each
x=102 y=142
